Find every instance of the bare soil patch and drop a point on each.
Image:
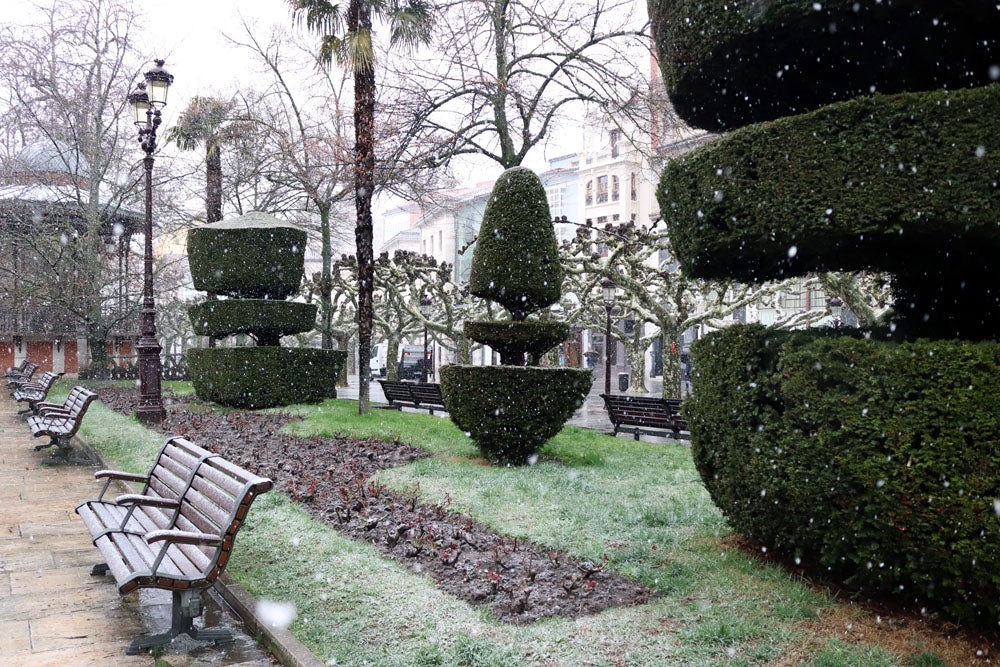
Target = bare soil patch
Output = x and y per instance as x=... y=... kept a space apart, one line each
x=520 y=582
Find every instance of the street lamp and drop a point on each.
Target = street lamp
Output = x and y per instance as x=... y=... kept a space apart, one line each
x=147 y=99
x=836 y=308
x=425 y=310
x=608 y=289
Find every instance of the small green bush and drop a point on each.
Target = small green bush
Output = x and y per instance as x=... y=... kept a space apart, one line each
x=876 y=462
x=511 y=411
x=515 y=339
x=255 y=256
x=267 y=320
x=264 y=377
x=516 y=260
x=725 y=66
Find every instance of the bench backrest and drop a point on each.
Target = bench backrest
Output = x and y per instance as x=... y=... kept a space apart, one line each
x=396 y=391
x=173 y=470
x=43 y=385
x=216 y=503
x=17 y=369
x=427 y=393
x=24 y=375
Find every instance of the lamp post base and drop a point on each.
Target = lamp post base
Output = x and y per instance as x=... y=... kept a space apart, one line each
x=150 y=410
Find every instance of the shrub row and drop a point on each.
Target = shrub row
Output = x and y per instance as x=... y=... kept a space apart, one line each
x=268 y=320
x=515 y=339
x=724 y=67
x=265 y=377
x=876 y=462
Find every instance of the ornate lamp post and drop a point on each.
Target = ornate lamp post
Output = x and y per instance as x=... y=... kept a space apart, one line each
x=147 y=99
x=608 y=288
x=425 y=310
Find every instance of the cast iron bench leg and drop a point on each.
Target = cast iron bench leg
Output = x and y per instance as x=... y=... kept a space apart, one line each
x=187 y=606
x=99 y=570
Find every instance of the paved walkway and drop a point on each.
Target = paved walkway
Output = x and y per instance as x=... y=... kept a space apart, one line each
x=52 y=612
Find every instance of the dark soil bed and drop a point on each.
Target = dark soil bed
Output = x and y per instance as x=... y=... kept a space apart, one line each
x=332 y=478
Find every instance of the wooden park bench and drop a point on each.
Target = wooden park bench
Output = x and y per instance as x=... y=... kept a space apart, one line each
x=16 y=370
x=645 y=415
x=34 y=393
x=419 y=395
x=180 y=544
x=17 y=379
x=61 y=422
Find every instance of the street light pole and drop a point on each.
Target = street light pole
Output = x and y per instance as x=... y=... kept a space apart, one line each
x=147 y=100
x=425 y=310
x=608 y=288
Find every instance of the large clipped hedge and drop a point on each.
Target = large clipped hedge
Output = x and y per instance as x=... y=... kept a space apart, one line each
x=264 y=377
x=510 y=411
x=877 y=463
x=267 y=320
x=255 y=256
x=516 y=259
x=874 y=183
x=727 y=64
x=515 y=339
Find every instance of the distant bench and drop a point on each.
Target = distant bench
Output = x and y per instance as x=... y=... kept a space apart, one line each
x=60 y=422
x=419 y=395
x=177 y=534
x=647 y=415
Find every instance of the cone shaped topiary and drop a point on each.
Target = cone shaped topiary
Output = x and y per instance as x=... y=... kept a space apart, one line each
x=516 y=260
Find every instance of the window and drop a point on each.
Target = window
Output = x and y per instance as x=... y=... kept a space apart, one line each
x=602 y=189
x=440 y=240
x=590 y=193
x=614 y=188
x=556 y=195
x=616 y=136
x=602 y=247
x=635 y=187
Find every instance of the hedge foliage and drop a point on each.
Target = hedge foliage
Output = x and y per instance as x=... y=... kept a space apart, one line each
x=511 y=411
x=515 y=339
x=255 y=256
x=876 y=462
x=728 y=64
x=904 y=183
x=265 y=377
x=516 y=259
x=267 y=320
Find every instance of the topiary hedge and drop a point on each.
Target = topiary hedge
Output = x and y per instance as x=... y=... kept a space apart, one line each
x=515 y=339
x=255 y=256
x=725 y=66
x=875 y=462
x=516 y=260
x=264 y=377
x=267 y=320
x=510 y=411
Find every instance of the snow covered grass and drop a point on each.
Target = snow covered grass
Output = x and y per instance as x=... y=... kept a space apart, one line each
x=642 y=504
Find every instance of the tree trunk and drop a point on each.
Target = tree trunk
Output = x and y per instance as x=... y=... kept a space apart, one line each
x=213 y=181
x=325 y=282
x=672 y=375
x=360 y=21
x=344 y=343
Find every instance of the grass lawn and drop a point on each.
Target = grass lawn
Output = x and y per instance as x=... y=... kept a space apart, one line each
x=641 y=504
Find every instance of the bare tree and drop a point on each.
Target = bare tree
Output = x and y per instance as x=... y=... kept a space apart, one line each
x=503 y=73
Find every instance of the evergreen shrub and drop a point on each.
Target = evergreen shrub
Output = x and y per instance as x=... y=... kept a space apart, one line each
x=251 y=257
x=267 y=320
x=515 y=339
x=516 y=260
x=264 y=377
x=509 y=411
x=877 y=463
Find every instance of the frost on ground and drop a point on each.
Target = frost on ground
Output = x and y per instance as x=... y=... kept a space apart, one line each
x=519 y=581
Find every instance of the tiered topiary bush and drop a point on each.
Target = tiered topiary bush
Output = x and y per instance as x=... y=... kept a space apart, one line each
x=874 y=460
x=257 y=261
x=510 y=411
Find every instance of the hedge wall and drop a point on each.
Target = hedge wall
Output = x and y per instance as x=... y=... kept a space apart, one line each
x=265 y=377
x=728 y=64
x=876 y=463
x=255 y=256
x=516 y=260
x=266 y=319
x=511 y=411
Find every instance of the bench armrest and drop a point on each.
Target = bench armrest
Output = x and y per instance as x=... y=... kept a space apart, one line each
x=118 y=474
x=147 y=501
x=183 y=537
x=56 y=413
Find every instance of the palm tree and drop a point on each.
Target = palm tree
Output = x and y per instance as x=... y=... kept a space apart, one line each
x=347 y=38
x=204 y=123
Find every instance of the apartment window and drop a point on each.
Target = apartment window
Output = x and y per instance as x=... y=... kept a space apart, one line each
x=615 y=136
x=432 y=245
x=590 y=193
x=602 y=189
x=614 y=188
x=556 y=196
x=635 y=187
x=440 y=240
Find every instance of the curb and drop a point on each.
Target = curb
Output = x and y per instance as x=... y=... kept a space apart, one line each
x=281 y=643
